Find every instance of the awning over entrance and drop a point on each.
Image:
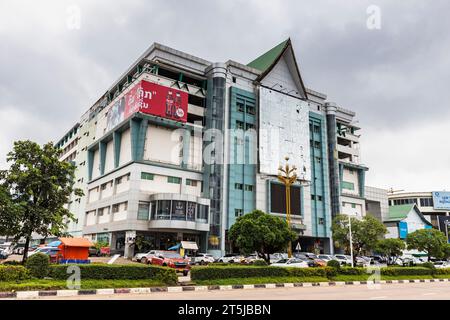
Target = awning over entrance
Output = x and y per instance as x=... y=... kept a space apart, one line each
x=190 y=245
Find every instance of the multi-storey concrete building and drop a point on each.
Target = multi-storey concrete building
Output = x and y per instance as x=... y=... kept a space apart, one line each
x=179 y=147
x=429 y=204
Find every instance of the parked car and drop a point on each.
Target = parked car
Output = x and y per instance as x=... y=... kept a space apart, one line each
x=93 y=251
x=7 y=247
x=173 y=260
x=441 y=264
x=147 y=257
x=343 y=259
x=231 y=258
x=311 y=262
x=378 y=259
x=326 y=257
x=3 y=254
x=202 y=258
x=278 y=256
x=52 y=252
x=292 y=262
x=363 y=261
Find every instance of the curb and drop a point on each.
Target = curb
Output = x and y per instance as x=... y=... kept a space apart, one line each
x=90 y=292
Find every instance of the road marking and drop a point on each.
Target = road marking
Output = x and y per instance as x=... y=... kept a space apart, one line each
x=114 y=258
x=376 y=298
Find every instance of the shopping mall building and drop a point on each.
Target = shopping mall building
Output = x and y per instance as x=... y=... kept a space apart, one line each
x=179 y=147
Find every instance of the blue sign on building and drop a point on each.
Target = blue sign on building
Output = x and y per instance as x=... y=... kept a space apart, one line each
x=441 y=200
x=402 y=229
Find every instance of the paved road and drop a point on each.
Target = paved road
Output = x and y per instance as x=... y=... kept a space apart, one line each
x=408 y=291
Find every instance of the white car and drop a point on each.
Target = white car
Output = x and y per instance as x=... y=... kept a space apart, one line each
x=146 y=257
x=202 y=258
x=231 y=258
x=292 y=262
x=326 y=257
x=343 y=259
x=278 y=256
x=441 y=264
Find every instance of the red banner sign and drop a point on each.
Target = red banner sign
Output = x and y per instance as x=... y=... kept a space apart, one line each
x=150 y=98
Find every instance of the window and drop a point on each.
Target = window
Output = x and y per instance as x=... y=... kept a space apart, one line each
x=348 y=185
x=100 y=212
x=103 y=186
x=316 y=129
x=319 y=159
x=237 y=212
x=239 y=124
x=178 y=210
x=353 y=205
x=115 y=207
x=426 y=202
x=251 y=110
x=319 y=198
x=238 y=186
x=143 y=211
x=147 y=176
x=125 y=206
x=163 y=211
x=192 y=183
x=175 y=180
x=240 y=106
x=248 y=187
x=119 y=180
x=202 y=212
x=321 y=221
x=313 y=197
x=249 y=126
x=317 y=144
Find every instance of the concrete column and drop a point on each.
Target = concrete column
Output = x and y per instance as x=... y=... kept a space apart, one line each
x=130 y=236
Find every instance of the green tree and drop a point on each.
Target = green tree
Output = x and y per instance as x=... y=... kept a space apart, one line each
x=37 y=186
x=391 y=248
x=261 y=233
x=365 y=233
x=431 y=241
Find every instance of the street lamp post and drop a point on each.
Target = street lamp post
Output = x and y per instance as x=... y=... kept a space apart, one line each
x=288 y=177
x=350 y=238
x=446 y=223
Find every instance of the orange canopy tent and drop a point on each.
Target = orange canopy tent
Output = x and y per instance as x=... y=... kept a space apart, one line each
x=74 y=249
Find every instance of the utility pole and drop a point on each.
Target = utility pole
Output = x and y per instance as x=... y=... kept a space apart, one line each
x=351 y=241
x=288 y=177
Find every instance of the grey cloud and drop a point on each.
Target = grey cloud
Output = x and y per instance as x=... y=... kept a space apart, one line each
x=395 y=78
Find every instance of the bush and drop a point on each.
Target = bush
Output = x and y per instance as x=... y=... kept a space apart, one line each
x=38 y=265
x=443 y=271
x=349 y=271
x=13 y=273
x=213 y=272
x=124 y=272
x=406 y=271
x=334 y=264
x=262 y=263
x=428 y=265
x=12 y=263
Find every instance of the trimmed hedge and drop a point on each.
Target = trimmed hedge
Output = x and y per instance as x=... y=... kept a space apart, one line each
x=110 y=272
x=219 y=272
x=13 y=273
x=442 y=271
x=349 y=271
x=406 y=271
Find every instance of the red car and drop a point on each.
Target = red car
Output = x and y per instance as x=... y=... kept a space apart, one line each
x=171 y=259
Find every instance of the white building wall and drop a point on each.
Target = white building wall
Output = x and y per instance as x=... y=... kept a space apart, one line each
x=163 y=145
x=352 y=177
x=109 y=158
x=96 y=165
x=280 y=75
x=125 y=148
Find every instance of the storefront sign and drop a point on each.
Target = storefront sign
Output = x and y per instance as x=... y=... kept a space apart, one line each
x=441 y=200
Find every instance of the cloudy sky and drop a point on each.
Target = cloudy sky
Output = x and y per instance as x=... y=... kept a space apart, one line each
x=396 y=77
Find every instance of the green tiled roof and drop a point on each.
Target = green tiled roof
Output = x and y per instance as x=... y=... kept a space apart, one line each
x=400 y=212
x=267 y=59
